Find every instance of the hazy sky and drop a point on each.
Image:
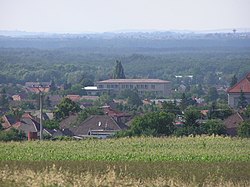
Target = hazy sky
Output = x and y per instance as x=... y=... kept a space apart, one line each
x=113 y=15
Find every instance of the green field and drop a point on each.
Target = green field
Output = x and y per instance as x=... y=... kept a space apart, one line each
x=190 y=161
x=209 y=149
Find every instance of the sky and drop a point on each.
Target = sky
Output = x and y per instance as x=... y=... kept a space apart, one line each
x=74 y=16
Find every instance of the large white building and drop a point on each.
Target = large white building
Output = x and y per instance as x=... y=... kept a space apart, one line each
x=143 y=86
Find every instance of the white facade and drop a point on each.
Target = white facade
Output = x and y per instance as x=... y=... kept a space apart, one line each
x=143 y=86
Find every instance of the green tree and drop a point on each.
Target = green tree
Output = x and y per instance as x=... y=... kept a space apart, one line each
x=132 y=96
x=16 y=113
x=233 y=81
x=191 y=126
x=244 y=129
x=242 y=100
x=153 y=124
x=4 y=102
x=212 y=94
x=118 y=72
x=219 y=110
x=47 y=102
x=134 y=99
x=171 y=107
x=65 y=107
x=247 y=112
x=191 y=117
x=183 y=104
x=51 y=124
x=214 y=126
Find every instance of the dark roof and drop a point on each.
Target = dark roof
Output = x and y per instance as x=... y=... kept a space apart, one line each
x=55 y=98
x=8 y=121
x=99 y=122
x=233 y=121
x=29 y=125
x=67 y=125
x=114 y=113
x=243 y=84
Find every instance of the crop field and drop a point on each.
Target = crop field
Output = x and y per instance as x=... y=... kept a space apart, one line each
x=190 y=161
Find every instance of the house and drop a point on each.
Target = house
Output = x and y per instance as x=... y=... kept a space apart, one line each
x=55 y=99
x=75 y=98
x=26 y=124
x=235 y=91
x=36 y=87
x=68 y=126
x=118 y=116
x=89 y=97
x=19 y=97
x=232 y=123
x=143 y=86
x=100 y=126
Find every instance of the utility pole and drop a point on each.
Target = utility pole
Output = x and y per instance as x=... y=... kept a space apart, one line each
x=40 y=88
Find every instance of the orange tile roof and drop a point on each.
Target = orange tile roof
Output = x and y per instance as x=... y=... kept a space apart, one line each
x=243 y=85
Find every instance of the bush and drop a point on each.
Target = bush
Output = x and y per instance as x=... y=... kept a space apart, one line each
x=244 y=129
x=213 y=127
x=152 y=124
x=12 y=135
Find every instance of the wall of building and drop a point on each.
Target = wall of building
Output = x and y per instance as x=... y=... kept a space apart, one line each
x=159 y=89
x=233 y=99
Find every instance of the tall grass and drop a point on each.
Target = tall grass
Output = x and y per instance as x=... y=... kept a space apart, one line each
x=57 y=177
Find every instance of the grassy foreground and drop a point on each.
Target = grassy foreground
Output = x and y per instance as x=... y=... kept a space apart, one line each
x=208 y=148
x=191 y=161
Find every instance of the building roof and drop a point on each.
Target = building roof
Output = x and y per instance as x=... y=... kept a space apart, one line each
x=90 y=88
x=133 y=81
x=99 y=122
x=8 y=121
x=233 y=121
x=89 y=97
x=243 y=84
x=74 y=98
x=67 y=125
x=114 y=113
x=37 y=84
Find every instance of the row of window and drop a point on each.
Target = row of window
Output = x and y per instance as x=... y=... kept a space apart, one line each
x=129 y=86
x=153 y=92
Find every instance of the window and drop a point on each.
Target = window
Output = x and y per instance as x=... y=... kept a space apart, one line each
x=146 y=86
x=152 y=86
x=131 y=86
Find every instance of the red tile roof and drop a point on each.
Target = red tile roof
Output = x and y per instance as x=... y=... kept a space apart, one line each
x=243 y=85
x=74 y=98
x=133 y=81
